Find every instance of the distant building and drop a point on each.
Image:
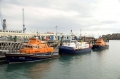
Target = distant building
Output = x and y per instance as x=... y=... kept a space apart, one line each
x=12 y=31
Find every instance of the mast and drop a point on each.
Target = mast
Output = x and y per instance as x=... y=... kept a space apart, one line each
x=23 y=22
x=80 y=33
x=56 y=30
x=71 y=36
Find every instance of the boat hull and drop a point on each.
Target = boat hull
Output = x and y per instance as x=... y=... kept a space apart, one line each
x=96 y=47
x=70 y=50
x=18 y=58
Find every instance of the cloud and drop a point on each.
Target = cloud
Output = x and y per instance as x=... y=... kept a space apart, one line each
x=91 y=16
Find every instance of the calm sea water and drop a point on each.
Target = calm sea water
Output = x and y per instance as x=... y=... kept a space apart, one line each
x=93 y=65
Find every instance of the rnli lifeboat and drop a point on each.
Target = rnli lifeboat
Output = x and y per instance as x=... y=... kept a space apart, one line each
x=100 y=45
x=34 y=50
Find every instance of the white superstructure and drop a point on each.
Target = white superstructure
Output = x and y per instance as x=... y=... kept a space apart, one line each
x=75 y=44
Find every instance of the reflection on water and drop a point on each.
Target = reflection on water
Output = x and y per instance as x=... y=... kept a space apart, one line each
x=101 y=53
x=72 y=57
x=36 y=71
x=32 y=70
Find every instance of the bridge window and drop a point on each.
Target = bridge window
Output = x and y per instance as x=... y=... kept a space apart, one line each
x=34 y=46
x=25 y=45
x=29 y=46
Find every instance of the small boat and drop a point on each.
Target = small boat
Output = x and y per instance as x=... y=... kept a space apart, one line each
x=34 y=50
x=100 y=45
x=74 y=47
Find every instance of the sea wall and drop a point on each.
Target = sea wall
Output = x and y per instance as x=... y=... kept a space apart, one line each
x=114 y=36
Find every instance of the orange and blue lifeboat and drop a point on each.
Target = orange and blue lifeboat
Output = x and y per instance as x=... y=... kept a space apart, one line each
x=100 y=45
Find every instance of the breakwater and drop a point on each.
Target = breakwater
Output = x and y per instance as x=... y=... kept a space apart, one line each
x=114 y=36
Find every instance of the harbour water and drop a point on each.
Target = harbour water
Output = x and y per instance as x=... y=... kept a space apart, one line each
x=92 y=65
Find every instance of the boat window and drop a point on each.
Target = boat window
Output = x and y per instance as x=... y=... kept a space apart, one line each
x=73 y=41
x=43 y=46
x=98 y=42
x=25 y=46
x=34 y=46
x=29 y=46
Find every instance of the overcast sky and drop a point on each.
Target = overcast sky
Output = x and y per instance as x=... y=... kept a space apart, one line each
x=93 y=17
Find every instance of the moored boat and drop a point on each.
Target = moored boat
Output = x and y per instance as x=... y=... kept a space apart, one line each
x=100 y=45
x=74 y=47
x=34 y=50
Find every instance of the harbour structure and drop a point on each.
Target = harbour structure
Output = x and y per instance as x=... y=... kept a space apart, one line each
x=113 y=36
x=11 y=34
x=3 y=59
x=8 y=47
x=19 y=34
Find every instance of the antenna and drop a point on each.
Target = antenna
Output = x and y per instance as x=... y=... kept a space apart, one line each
x=37 y=33
x=56 y=29
x=80 y=33
x=72 y=33
x=23 y=22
